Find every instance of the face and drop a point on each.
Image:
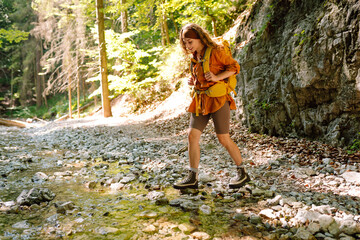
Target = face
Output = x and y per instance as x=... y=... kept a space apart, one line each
x=193 y=45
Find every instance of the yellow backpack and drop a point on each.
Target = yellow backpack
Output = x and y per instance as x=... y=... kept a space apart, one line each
x=223 y=87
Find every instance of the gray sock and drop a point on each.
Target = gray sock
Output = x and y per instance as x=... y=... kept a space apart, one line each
x=194 y=169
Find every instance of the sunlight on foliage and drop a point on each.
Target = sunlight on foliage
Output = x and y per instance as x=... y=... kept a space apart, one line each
x=146 y=75
x=12 y=36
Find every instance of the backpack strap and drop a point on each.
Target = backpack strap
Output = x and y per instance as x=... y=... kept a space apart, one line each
x=206 y=62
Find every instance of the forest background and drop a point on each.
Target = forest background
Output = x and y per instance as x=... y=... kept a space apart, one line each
x=50 y=51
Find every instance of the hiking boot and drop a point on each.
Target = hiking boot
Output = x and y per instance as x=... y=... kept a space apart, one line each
x=240 y=179
x=189 y=181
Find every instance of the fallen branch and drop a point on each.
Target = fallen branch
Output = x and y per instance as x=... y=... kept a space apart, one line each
x=12 y=123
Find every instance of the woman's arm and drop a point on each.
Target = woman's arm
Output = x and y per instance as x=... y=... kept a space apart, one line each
x=209 y=76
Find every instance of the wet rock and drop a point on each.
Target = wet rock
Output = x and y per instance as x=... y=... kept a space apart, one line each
x=63 y=174
x=200 y=235
x=106 y=230
x=117 y=186
x=257 y=192
x=313 y=228
x=6 y=206
x=40 y=177
x=349 y=227
x=21 y=225
x=187 y=228
x=62 y=207
x=149 y=229
x=148 y=214
x=35 y=196
x=155 y=195
x=254 y=219
x=205 y=209
x=274 y=201
x=129 y=178
x=324 y=209
x=304 y=216
x=303 y=234
x=334 y=229
x=325 y=221
x=162 y=201
x=91 y=184
x=240 y=217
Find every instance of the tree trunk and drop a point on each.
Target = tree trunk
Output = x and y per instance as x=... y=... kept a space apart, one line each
x=124 y=18
x=12 y=123
x=213 y=20
x=37 y=70
x=69 y=93
x=78 y=85
x=103 y=61
x=12 y=88
x=166 y=29
x=175 y=25
x=43 y=94
x=163 y=41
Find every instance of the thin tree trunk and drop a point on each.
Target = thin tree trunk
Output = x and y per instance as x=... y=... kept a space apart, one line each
x=213 y=22
x=103 y=61
x=43 y=94
x=37 y=69
x=124 y=17
x=166 y=29
x=12 y=88
x=175 y=25
x=163 y=41
x=78 y=86
x=69 y=94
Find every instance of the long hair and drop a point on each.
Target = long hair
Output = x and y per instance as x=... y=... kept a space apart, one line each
x=203 y=34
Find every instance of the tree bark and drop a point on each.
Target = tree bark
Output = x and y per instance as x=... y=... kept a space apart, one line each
x=163 y=41
x=213 y=22
x=103 y=61
x=124 y=17
x=166 y=29
x=37 y=70
x=11 y=123
x=69 y=93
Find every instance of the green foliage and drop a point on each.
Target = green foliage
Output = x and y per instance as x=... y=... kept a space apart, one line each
x=264 y=105
x=57 y=106
x=301 y=40
x=136 y=64
x=147 y=75
x=355 y=145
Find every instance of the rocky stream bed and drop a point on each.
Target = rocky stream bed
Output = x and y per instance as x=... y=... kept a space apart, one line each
x=82 y=179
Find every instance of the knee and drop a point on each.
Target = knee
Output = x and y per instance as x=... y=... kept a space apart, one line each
x=224 y=140
x=194 y=135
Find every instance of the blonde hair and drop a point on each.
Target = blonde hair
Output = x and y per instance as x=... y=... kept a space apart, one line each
x=203 y=34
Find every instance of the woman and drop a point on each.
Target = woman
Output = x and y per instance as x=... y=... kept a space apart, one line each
x=194 y=40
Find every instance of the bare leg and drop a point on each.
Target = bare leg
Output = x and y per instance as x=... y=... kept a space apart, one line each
x=231 y=147
x=194 y=147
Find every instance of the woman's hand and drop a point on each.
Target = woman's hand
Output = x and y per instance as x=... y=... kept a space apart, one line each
x=209 y=76
x=191 y=81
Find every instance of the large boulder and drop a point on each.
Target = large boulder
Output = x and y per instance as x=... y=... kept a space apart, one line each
x=35 y=196
x=300 y=72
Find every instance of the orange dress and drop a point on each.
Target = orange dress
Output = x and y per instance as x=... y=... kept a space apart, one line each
x=219 y=62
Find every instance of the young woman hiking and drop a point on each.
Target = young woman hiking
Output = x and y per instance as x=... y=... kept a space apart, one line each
x=194 y=40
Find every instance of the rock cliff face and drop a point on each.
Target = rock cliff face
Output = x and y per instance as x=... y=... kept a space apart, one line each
x=300 y=69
